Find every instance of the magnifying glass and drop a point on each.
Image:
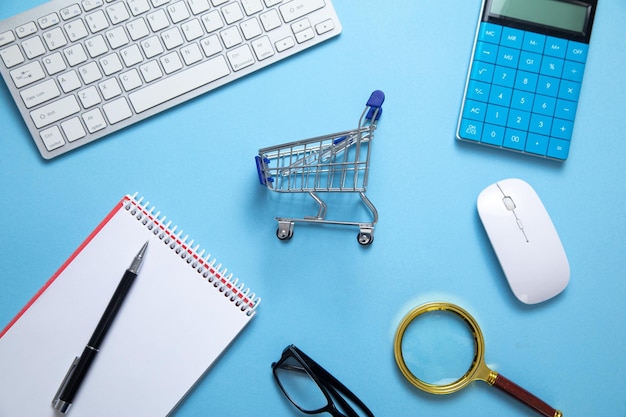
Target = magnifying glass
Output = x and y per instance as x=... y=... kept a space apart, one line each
x=440 y=349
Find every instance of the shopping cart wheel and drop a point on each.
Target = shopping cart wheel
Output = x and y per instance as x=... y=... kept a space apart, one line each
x=285 y=230
x=365 y=237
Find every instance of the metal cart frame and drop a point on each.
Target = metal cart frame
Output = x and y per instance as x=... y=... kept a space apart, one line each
x=337 y=162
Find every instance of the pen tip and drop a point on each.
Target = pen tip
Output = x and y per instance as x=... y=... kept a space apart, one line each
x=136 y=264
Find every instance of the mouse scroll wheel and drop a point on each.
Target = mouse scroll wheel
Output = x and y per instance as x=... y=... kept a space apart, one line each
x=508 y=203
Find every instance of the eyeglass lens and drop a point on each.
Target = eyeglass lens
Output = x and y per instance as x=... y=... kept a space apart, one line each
x=299 y=386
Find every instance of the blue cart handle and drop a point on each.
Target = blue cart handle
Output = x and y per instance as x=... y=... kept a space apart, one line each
x=375 y=104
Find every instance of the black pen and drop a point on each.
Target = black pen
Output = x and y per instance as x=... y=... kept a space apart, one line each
x=79 y=368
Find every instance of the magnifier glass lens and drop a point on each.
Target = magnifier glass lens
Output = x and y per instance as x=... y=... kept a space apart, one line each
x=438 y=347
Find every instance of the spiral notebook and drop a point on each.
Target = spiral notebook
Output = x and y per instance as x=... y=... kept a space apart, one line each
x=181 y=313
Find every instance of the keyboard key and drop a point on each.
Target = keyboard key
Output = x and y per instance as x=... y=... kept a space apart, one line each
x=117 y=110
x=298 y=8
x=89 y=5
x=40 y=93
x=138 y=7
x=252 y=6
x=94 y=120
x=89 y=97
x=28 y=74
x=6 y=38
x=26 y=29
x=52 y=138
x=90 y=73
x=534 y=42
x=482 y=71
x=138 y=29
x=500 y=95
x=544 y=105
x=199 y=6
x=76 y=30
x=240 y=57
x=96 y=46
x=70 y=12
x=12 y=56
x=55 y=111
x=178 y=12
x=478 y=91
x=73 y=129
x=117 y=13
x=130 y=80
x=263 y=48
x=565 y=109
x=109 y=88
x=540 y=124
x=179 y=84
x=48 y=21
x=97 y=21
x=496 y=115
x=69 y=81
x=569 y=90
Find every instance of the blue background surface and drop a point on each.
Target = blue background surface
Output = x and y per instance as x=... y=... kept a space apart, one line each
x=336 y=300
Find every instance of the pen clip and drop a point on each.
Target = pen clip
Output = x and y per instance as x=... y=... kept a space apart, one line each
x=57 y=403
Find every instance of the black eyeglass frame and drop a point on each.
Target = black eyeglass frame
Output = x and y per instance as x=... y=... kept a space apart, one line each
x=333 y=389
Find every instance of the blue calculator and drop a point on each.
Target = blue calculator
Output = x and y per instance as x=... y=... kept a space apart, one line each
x=525 y=75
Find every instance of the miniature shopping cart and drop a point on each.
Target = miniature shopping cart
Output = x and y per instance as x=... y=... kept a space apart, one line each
x=337 y=162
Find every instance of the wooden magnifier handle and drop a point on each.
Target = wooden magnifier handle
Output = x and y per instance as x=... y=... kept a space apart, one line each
x=523 y=396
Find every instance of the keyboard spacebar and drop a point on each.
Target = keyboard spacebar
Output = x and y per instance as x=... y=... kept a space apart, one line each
x=182 y=82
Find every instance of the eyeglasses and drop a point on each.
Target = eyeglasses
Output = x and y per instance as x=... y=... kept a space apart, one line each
x=312 y=389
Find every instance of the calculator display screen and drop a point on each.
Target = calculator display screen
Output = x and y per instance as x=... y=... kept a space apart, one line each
x=555 y=13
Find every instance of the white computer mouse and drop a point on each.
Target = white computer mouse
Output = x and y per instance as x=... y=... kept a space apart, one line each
x=526 y=243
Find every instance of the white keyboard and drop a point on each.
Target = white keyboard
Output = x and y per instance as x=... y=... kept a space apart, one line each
x=81 y=69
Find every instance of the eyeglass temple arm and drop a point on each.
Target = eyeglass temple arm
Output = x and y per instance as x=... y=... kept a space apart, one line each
x=333 y=385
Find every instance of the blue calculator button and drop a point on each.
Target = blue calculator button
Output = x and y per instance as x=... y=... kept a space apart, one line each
x=504 y=76
x=518 y=120
x=573 y=71
x=493 y=135
x=548 y=86
x=577 y=51
x=526 y=81
x=529 y=61
x=478 y=91
x=482 y=71
x=540 y=124
x=558 y=149
x=490 y=32
x=537 y=144
x=512 y=38
x=470 y=129
x=534 y=42
x=544 y=105
x=486 y=52
x=556 y=47
x=522 y=100
x=496 y=115
x=500 y=95
x=552 y=66
x=474 y=110
x=570 y=90
x=508 y=57
x=565 y=109
x=514 y=139
x=562 y=129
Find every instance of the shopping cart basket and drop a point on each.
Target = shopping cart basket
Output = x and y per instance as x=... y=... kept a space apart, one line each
x=338 y=162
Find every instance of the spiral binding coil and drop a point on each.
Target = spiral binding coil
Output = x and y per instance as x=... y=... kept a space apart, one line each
x=203 y=264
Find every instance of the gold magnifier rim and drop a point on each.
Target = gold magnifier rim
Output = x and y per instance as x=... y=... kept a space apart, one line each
x=479 y=348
